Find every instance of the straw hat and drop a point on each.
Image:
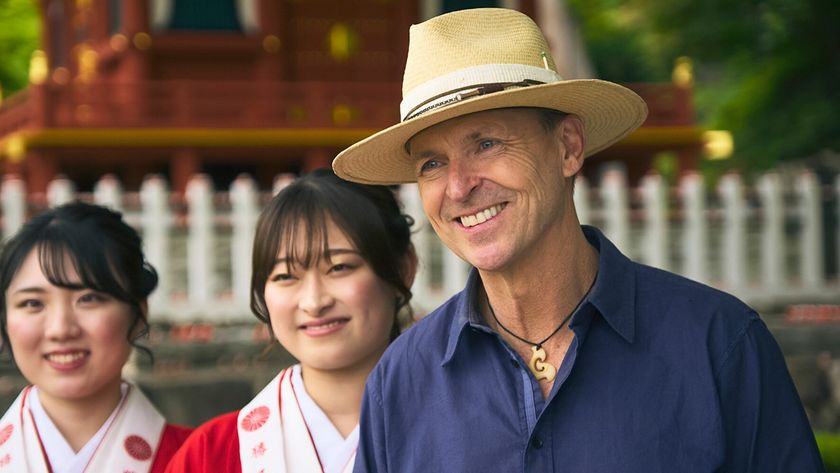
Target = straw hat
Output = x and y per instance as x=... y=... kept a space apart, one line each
x=482 y=59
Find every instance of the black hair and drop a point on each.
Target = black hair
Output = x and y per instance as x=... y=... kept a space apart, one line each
x=100 y=247
x=369 y=215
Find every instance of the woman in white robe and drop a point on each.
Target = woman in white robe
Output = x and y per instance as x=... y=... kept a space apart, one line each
x=73 y=303
x=332 y=268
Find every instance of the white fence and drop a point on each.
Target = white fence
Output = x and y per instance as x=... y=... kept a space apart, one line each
x=766 y=243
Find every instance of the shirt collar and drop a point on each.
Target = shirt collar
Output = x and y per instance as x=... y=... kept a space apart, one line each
x=613 y=294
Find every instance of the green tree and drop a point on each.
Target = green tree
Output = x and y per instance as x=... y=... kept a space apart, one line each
x=768 y=70
x=19 y=36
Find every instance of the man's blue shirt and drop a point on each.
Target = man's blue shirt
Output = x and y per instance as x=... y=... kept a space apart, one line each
x=664 y=375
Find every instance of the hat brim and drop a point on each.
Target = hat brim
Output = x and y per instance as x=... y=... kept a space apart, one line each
x=609 y=112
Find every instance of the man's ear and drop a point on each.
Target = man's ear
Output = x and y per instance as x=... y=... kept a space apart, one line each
x=408 y=268
x=571 y=132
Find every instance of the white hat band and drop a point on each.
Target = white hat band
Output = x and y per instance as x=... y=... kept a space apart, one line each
x=444 y=89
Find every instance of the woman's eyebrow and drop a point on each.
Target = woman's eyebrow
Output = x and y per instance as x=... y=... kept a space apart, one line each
x=33 y=289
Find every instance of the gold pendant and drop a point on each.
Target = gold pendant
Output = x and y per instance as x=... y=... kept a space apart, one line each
x=541 y=368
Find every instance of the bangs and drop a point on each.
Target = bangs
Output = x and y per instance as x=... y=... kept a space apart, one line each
x=58 y=256
x=302 y=236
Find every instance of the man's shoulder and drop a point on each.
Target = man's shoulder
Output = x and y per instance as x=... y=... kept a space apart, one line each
x=667 y=287
x=670 y=303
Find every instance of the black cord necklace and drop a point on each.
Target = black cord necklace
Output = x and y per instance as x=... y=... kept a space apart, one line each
x=538 y=366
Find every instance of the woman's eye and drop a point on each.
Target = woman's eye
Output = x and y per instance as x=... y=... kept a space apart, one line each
x=30 y=304
x=280 y=277
x=92 y=297
x=340 y=267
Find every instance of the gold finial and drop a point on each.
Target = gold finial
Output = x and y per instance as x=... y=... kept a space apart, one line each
x=88 y=59
x=683 y=74
x=38 y=67
x=118 y=42
x=16 y=148
x=718 y=144
x=142 y=41
x=343 y=42
x=271 y=44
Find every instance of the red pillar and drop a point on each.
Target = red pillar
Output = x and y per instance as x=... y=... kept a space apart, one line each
x=317 y=158
x=185 y=164
x=39 y=169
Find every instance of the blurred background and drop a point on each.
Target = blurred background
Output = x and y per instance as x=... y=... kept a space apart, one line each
x=188 y=114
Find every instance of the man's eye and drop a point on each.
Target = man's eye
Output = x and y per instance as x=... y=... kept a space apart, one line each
x=486 y=144
x=429 y=165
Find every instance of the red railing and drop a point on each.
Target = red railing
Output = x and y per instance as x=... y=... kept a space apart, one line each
x=179 y=104
x=167 y=104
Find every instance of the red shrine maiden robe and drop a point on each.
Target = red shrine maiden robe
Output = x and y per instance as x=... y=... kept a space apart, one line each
x=275 y=433
x=137 y=438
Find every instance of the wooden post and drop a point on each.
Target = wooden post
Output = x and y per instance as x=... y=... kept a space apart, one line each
x=13 y=201
x=694 y=236
x=200 y=267
x=616 y=219
x=155 y=222
x=811 y=244
x=244 y=214
x=734 y=232
x=60 y=191
x=108 y=192
x=655 y=242
x=772 y=240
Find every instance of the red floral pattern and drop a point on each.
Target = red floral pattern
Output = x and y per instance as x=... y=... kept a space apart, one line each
x=5 y=433
x=138 y=447
x=255 y=419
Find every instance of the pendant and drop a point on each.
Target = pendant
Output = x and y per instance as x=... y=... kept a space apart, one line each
x=542 y=369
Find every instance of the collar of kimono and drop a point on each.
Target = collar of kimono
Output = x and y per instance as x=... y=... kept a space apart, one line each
x=129 y=444
x=273 y=433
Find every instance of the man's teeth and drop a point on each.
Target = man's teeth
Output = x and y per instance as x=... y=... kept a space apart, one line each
x=66 y=358
x=481 y=217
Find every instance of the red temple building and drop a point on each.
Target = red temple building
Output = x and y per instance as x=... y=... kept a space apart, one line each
x=178 y=87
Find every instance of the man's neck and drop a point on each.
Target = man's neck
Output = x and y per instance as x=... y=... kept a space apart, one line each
x=532 y=296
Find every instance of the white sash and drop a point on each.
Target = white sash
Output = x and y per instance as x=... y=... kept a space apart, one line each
x=273 y=436
x=130 y=443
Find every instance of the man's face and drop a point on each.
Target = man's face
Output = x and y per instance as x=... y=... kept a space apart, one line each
x=494 y=184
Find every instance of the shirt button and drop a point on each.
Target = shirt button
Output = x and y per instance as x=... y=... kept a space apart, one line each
x=536 y=443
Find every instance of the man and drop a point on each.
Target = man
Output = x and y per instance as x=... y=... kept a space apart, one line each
x=560 y=354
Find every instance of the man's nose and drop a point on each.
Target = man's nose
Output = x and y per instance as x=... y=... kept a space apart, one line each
x=463 y=178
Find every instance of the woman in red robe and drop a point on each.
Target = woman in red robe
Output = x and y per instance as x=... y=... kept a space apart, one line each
x=74 y=290
x=332 y=268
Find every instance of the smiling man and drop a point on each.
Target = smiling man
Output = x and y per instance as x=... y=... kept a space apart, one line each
x=560 y=354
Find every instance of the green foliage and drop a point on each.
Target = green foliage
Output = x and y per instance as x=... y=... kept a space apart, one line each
x=830 y=450
x=767 y=71
x=19 y=36
x=616 y=43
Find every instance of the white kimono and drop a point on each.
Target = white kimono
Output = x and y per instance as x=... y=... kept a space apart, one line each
x=128 y=444
x=273 y=431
